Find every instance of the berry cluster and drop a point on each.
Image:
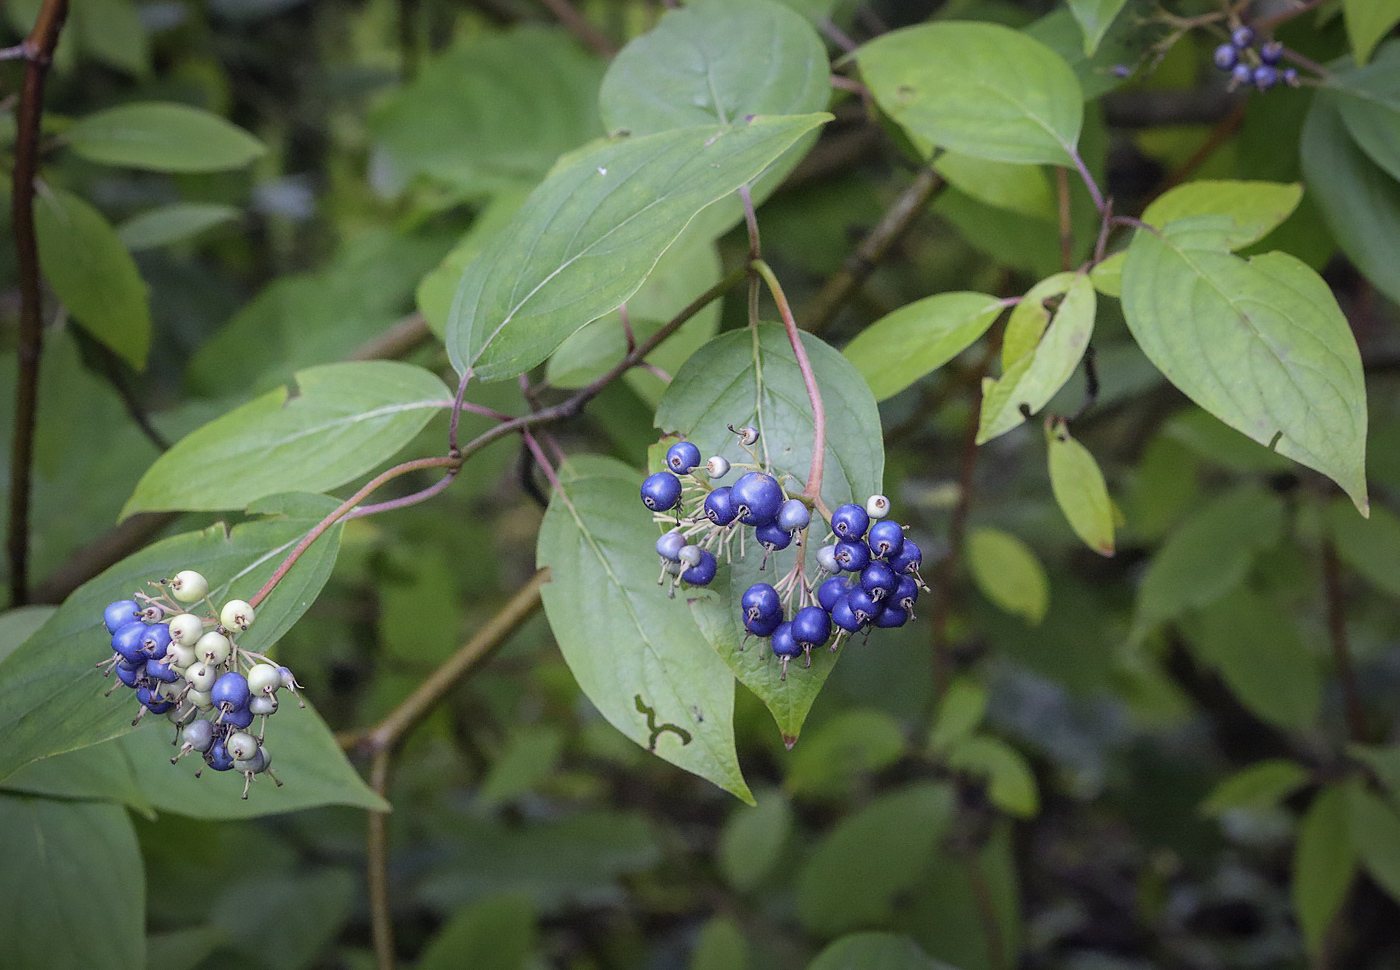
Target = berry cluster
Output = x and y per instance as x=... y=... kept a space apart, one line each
x=1247 y=65
x=871 y=569
x=191 y=669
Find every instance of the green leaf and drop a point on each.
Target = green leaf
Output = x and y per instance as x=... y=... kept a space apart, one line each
x=716 y=62
x=297 y=916
x=1360 y=202
x=18 y=625
x=1008 y=573
x=1259 y=652
x=1370 y=546
x=435 y=292
x=747 y=378
x=335 y=423
x=1010 y=783
x=1095 y=17
x=1207 y=556
x=981 y=89
x=173 y=223
x=1375 y=835
x=496 y=933
x=163 y=137
x=101 y=771
x=753 y=840
x=1108 y=275
x=495 y=112
x=636 y=653
x=1256 y=207
x=1370 y=105
x=918 y=338
x=1029 y=317
x=1080 y=489
x=1367 y=22
x=872 y=856
x=1261 y=344
x=1261 y=785
x=531 y=755
x=1022 y=189
x=51 y=696
x=874 y=951
x=852 y=745
x=112 y=32
x=721 y=946
x=73 y=887
x=961 y=710
x=1124 y=43
x=1324 y=862
x=587 y=238
x=1037 y=376
x=1384 y=763
x=182 y=949
x=90 y=270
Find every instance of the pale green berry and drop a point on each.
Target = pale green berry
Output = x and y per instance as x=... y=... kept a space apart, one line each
x=263 y=704
x=213 y=647
x=202 y=677
x=241 y=746
x=264 y=679
x=180 y=656
x=201 y=699
x=236 y=616
x=186 y=629
x=189 y=586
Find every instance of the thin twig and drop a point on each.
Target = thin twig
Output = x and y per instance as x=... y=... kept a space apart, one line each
x=1341 y=650
x=581 y=27
x=1223 y=131
x=377 y=866
x=1089 y=182
x=862 y=262
x=407 y=335
x=38 y=52
x=814 y=395
x=1066 y=225
x=541 y=459
x=986 y=911
x=1269 y=23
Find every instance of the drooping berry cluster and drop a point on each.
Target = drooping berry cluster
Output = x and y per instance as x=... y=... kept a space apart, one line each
x=1247 y=65
x=881 y=566
x=190 y=668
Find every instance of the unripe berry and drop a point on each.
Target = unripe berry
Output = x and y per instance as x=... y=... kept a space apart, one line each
x=661 y=492
x=668 y=547
x=288 y=681
x=189 y=586
x=256 y=764
x=826 y=559
x=682 y=457
x=213 y=647
x=198 y=734
x=262 y=704
x=241 y=746
x=719 y=506
x=877 y=506
x=717 y=467
x=264 y=679
x=236 y=616
x=690 y=555
x=793 y=515
x=231 y=690
x=120 y=613
x=200 y=699
x=180 y=656
x=747 y=435
x=850 y=521
x=202 y=676
x=186 y=629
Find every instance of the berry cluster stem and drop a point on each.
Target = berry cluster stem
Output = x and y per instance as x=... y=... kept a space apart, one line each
x=38 y=50
x=813 y=490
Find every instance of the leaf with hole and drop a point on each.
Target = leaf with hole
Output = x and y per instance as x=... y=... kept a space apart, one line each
x=1259 y=343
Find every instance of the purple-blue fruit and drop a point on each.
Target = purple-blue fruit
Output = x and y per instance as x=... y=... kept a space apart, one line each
x=773 y=536
x=702 y=572
x=886 y=539
x=811 y=626
x=682 y=457
x=719 y=505
x=757 y=497
x=852 y=556
x=850 y=521
x=661 y=492
x=120 y=613
x=761 y=599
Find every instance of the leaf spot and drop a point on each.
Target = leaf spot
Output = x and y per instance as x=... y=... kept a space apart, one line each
x=658 y=729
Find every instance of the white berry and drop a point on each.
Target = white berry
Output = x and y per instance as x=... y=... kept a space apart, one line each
x=180 y=656
x=189 y=586
x=690 y=555
x=877 y=506
x=202 y=677
x=186 y=629
x=213 y=647
x=201 y=699
x=264 y=679
x=717 y=467
x=241 y=746
x=236 y=616
x=263 y=704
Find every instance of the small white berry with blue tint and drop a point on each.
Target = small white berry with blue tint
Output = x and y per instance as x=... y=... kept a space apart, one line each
x=793 y=515
x=198 y=734
x=690 y=555
x=262 y=704
x=264 y=679
x=213 y=647
x=189 y=586
x=186 y=629
x=201 y=699
x=717 y=467
x=241 y=746
x=236 y=616
x=877 y=506
x=826 y=559
x=669 y=546
x=202 y=676
x=180 y=656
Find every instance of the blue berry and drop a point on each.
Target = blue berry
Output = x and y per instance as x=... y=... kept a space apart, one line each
x=909 y=558
x=1241 y=75
x=761 y=599
x=757 y=497
x=231 y=690
x=1265 y=77
x=1242 y=37
x=151 y=702
x=845 y=617
x=763 y=626
x=863 y=605
x=793 y=516
x=217 y=757
x=892 y=616
x=702 y=572
x=878 y=580
x=850 y=521
x=162 y=672
x=784 y=643
x=1122 y=71
x=669 y=546
x=772 y=535
x=127 y=641
x=120 y=613
x=1290 y=76
x=1271 y=53
x=831 y=591
x=886 y=539
x=1226 y=56
x=811 y=626
x=239 y=717
x=156 y=640
x=906 y=593
x=661 y=492
x=852 y=556
x=719 y=505
x=682 y=457
x=131 y=676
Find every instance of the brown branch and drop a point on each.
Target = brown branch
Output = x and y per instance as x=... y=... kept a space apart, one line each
x=1341 y=650
x=861 y=263
x=581 y=27
x=986 y=909
x=39 y=48
x=377 y=867
x=1224 y=130
x=402 y=338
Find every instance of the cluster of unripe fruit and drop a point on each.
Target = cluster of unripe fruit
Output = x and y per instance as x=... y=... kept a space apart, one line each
x=868 y=575
x=190 y=668
x=1246 y=65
